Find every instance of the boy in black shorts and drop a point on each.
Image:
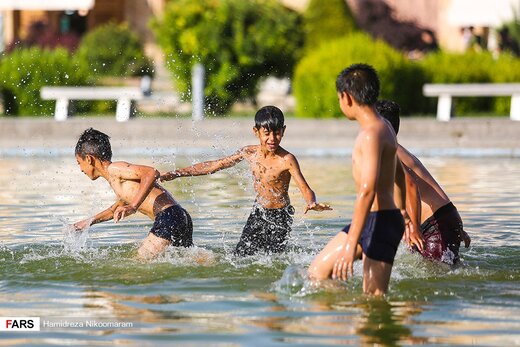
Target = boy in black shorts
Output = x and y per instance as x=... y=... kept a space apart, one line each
x=269 y=224
x=137 y=190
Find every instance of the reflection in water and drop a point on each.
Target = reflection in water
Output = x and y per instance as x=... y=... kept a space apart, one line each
x=204 y=295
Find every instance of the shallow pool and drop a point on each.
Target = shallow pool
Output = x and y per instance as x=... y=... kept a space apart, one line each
x=89 y=290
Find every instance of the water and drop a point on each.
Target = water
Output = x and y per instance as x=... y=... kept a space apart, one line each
x=204 y=296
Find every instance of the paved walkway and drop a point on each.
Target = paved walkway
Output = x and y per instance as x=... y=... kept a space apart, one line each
x=335 y=136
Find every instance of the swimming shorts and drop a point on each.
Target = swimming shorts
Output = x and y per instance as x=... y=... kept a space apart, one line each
x=381 y=234
x=266 y=230
x=174 y=224
x=442 y=234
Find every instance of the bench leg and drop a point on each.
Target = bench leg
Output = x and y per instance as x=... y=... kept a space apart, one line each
x=444 y=108
x=62 y=110
x=123 y=110
x=515 y=107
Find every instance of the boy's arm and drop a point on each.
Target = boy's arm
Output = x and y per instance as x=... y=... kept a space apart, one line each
x=410 y=204
x=207 y=167
x=413 y=205
x=102 y=216
x=307 y=192
x=146 y=176
x=368 y=175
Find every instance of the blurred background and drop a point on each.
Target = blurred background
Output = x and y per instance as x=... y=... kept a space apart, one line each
x=254 y=52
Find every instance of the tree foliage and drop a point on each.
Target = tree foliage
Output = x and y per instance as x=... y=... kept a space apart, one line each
x=238 y=42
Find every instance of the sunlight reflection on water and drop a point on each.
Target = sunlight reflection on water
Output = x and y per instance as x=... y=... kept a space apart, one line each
x=206 y=296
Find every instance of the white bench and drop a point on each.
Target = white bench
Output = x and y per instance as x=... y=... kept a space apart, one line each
x=62 y=95
x=445 y=92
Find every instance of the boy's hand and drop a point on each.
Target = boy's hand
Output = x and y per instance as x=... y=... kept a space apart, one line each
x=317 y=207
x=344 y=265
x=123 y=211
x=411 y=235
x=465 y=237
x=78 y=226
x=168 y=176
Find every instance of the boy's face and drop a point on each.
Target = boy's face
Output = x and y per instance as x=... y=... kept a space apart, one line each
x=269 y=140
x=87 y=166
x=344 y=103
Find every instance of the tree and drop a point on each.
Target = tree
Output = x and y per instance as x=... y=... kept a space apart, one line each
x=238 y=43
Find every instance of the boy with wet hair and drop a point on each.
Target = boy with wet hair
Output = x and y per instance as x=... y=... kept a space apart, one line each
x=377 y=224
x=269 y=224
x=136 y=189
x=440 y=223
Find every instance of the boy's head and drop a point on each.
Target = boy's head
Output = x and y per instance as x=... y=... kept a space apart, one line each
x=95 y=143
x=389 y=110
x=361 y=82
x=269 y=126
x=270 y=118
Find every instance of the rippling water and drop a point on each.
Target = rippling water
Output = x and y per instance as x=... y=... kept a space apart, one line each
x=206 y=296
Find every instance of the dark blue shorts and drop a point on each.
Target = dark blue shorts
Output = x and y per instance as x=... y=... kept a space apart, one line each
x=174 y=224
x=381 y=235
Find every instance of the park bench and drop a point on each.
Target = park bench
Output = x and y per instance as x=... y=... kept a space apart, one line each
x=63 y=95
x=445 y=92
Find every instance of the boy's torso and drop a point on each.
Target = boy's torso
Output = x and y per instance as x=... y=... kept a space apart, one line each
x=384 y=185
x=157 y=200
x=271 y=177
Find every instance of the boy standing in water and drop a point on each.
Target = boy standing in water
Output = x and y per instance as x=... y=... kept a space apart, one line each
x=441 y=226
x=136 y=190
x=269 y=224
x=377 y=224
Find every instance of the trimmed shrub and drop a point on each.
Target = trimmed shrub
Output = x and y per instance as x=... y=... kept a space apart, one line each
x=326 y=20
x=315 y=76
x=505 y=70
x=25 y=71
x=470 y=67
x=113 y=50
x=238 y=42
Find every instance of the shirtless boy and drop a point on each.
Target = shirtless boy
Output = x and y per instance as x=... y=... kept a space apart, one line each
x=269 y=224
x=441 y=226
x=136 y=189
x=377 y=224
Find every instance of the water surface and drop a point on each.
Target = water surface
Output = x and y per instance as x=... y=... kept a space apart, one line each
x=205 y=296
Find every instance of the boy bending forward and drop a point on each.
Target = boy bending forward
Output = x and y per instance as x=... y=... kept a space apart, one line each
x=137 y=190
x=269 y=224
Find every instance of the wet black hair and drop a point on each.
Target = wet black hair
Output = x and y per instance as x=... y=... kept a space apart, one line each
x=94 y=142
x=270 y=118
x=389 y=110
x=361 y=82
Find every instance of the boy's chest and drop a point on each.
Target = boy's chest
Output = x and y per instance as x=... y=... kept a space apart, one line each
x=124 y=189
x=269 y=171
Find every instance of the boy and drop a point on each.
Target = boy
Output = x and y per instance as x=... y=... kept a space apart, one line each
x=377 y=224
x=136 y=190
x=441 y=226
x=269 y=224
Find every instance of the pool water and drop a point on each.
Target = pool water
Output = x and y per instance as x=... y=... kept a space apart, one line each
x=88 y=289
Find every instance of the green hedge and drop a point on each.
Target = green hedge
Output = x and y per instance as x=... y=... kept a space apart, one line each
x=113 y=50
x=315 y=76
x=25 y=71
x=238 y=42
x=472 y=67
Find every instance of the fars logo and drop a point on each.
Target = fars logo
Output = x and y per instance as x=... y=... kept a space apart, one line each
x=19 y=323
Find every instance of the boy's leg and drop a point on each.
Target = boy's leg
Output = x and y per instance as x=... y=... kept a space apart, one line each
x=151 y=247
x=376 y=276
x=321 y=266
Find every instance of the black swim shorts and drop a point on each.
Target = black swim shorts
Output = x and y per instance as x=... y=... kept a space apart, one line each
x=266 y=230
x=174 y=224
x=381 y=234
